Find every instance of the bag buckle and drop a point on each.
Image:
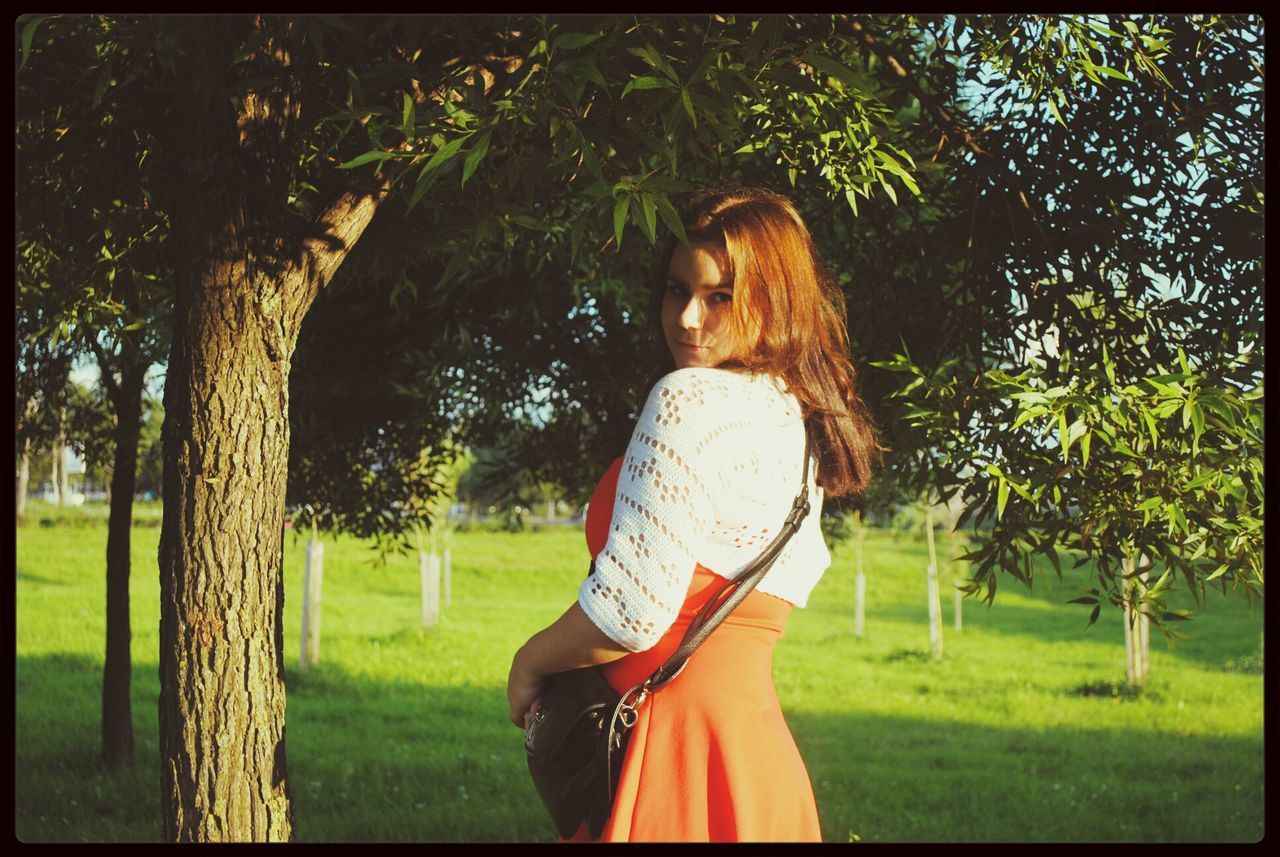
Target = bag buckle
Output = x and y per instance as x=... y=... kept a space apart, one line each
x=627 y=712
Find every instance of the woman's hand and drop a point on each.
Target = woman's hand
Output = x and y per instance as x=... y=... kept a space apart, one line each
x=571 y=642
x=523 y=688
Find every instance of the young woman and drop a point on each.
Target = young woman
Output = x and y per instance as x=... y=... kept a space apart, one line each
x=759 y=353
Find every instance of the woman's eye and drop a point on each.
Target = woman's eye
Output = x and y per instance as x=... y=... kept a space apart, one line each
x=722 y=297
x=676 y=289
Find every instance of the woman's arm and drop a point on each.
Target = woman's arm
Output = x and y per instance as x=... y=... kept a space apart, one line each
x=571 y=642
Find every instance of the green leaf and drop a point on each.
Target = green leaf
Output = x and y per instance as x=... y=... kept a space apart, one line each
x=1203 y=479
x=650 y=221
x=1002 y=497
x=1150 y=503
x=654 y=58
x=408 y=115
x=688 y=106
x=1052 y=553
x=851 y=197
x=366 y=158
x=708 y=57
x=572 y=41
x=1119 y=445
x=645 y=82
x=620 y=217
x=1093 y=616
x=589 y=69
x=793 y=81
x=1029 y=414
x=588 y=154
x=888 y=188
x=1085 y=439
x=444 y=153
x=1106 y=31
x=1151 y=427
x=1084 y=599
x=104 y=81
x=670 y=216
x=528 y=222
x=1111 y=72
x=832 y=68
x=1053 y=108
x=476 y=155
x=28 y=34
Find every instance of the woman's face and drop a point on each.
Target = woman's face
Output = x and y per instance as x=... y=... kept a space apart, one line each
x=697 y=305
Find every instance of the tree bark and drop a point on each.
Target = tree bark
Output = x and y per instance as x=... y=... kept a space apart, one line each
x=117 y=708
x=226 y=441
x=24 y=477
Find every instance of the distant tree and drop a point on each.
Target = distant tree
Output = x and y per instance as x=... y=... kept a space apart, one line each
x=151 y=449
x=93 y=242
x=91 y=428
x=42 y=372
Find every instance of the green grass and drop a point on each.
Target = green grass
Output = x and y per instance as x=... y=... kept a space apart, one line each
x=400 y=734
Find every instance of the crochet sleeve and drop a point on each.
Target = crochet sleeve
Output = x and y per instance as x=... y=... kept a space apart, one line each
x=662 y=512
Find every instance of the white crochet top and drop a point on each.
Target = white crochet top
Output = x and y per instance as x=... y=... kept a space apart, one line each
x=708 y=477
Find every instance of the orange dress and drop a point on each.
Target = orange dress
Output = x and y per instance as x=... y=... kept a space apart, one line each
x=710 y=758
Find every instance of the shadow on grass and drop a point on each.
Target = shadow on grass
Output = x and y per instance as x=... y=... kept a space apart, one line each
x=1214 y=639
x=378 y=761
x=27 y=577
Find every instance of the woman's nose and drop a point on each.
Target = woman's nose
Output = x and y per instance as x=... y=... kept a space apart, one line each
x=691 y=315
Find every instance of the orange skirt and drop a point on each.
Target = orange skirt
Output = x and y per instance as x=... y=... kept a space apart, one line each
x=710 y=758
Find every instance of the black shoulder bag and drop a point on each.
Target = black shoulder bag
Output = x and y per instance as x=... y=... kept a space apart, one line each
x=576 y=741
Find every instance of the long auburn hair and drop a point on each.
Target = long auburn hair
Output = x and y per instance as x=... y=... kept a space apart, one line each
x=792 y=316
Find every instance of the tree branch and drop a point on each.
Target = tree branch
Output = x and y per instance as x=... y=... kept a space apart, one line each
x=107 y=372
x=945 y=119
x=951 y=125
x=337 y=229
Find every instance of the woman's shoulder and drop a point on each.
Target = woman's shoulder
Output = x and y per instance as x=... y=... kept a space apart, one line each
x=723 y=394
x=706 y=379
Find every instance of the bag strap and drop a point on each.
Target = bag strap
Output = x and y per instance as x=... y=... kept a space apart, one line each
x=729 y=596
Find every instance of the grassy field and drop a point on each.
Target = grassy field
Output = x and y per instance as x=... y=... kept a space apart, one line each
x=400 y=734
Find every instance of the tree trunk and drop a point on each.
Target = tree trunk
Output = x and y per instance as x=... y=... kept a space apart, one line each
x=226 y=444
x=860 y=582
x=958 y=568
x=24 y=477
x=60 y=461
x=1136 y=627
x=934 y=594
x=245 y=278
x=117 y=709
